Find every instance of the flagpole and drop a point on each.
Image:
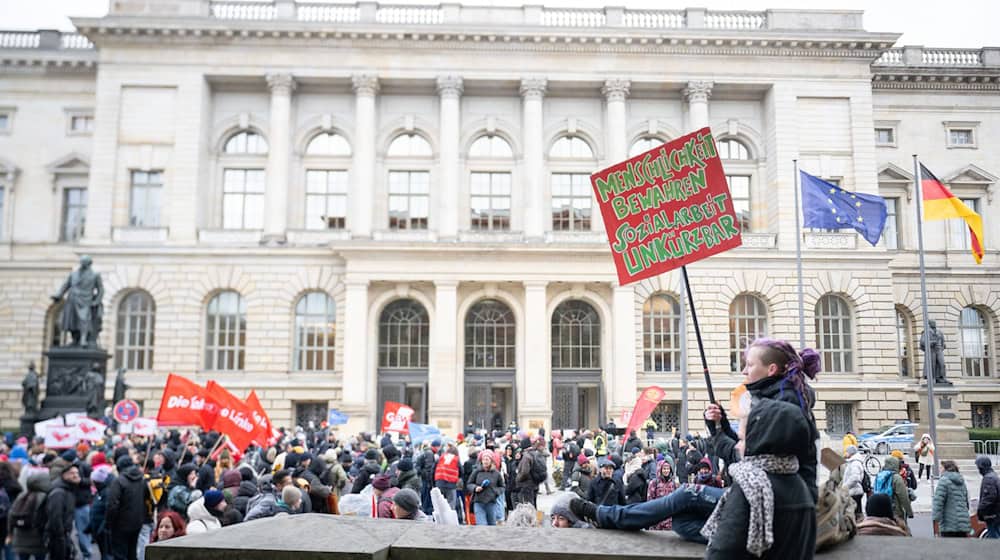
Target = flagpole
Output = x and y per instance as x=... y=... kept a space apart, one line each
x=918 y=194
x=697 y=334
x=684 y=360
x=798 y=260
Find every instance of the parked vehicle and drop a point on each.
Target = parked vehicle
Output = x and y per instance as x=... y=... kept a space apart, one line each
x=887 y=438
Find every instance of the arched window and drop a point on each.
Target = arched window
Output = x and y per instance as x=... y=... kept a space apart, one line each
x=576 y=336
x=491 y=146
x=225 y=332
x=747 y=322
x=490 y=336
x=904 y=336
x=730 y=148
x=490 y=183
x=975 y=343
x=328 y=144
x=661 y=334
x=833 y=334
x=134 y=331
x=572 y=199
x=571 y=147
x=404 y=335
x=246 y=142
x=315 y=332
x=644 y=144
x=409 y=145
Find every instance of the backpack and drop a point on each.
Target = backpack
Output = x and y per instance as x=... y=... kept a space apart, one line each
x=883 y=483
x=156 y=492
x=538 y=471
x=835 y=522
x=24 y=514
x=866 y=483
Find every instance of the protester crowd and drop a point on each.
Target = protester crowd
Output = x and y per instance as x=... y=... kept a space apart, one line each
x=750 y=492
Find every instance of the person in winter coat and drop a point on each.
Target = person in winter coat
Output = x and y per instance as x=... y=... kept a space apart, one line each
x=636 y=481
x=406 y=506
x=102 y=477
x=579 y=481
x=767 y=491
x=605 y=490
x=183 y=491
x=205 y=514
x=853 y=473
x=704 y=475
x=570 y=453
x=662 y=485
x=371 y=467
x=486 y=487
x=447 y=473
x=59 y=509
x=126 y=508
x=247 y=490
x=318 y=492
x=879 y=520
x=950 y=510
x=527 y=488
x=406 y=476
x=29 y=541
x=901 y=508
x=923 y=452
x=562 y=517
x=83 y=496
x=989 y=498
x=905 y=471
x=849 y=440
x=170 y=525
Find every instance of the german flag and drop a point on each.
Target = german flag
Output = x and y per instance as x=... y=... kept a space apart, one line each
x=941 y=204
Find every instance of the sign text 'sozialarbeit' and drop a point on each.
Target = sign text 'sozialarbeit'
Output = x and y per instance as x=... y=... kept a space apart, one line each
x=667 y=207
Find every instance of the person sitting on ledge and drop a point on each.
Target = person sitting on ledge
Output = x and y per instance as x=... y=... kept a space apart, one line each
x=406 y=506
x=880 y=520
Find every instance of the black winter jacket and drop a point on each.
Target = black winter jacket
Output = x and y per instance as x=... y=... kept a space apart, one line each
x=369 y=470
x=32 y=541
x=635 y=490
x=246 y=491
x=82 y=493
x=492 y=489
x=989 y=491
x=606 y=492
x=127 y=501
x=59 y=509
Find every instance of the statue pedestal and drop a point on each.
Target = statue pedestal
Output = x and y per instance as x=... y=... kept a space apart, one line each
x=65 y=387
x=952 y=440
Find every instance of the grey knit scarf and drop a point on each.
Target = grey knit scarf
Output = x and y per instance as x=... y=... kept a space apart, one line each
x=751 y=475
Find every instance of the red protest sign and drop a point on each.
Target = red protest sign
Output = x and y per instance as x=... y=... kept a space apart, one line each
x=234 y=418
x=396 y=417
x=644 y=406
x=667 y=207
x=260 y=418
x=185 y=403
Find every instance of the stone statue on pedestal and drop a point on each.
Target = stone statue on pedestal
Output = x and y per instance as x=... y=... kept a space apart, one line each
x=30 y=384
x=83 y=312
x=932 y=345
x=93 y=388
x=120 y=386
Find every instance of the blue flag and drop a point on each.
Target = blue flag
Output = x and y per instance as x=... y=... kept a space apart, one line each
x=420 y=432
x=827 y=206
x=336 y=418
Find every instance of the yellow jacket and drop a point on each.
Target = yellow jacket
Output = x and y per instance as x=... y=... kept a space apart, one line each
x=849 y=440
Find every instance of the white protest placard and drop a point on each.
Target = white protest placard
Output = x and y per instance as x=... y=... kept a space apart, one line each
x=73 y=418
x=90 y=430
x=61 y=437
x=144 y=426
x=42 y=427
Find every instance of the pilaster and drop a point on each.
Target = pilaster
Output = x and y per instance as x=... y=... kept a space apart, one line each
x=356 y=401
x=449 y=89
x=278 y=154
x=532 y=94
x=443 y=378
x=697 y=94
x=361 y=199
x=536 y=399
x=622 y=389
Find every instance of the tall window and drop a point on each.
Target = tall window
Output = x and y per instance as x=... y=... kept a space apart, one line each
x=740 y=169
x=576 y=336
x=244 y=180
x=839 y=418
x=315 y=332
x=833 y=334
x=739 y=189
x=975 y=343
x=958 y=231
x=409 y=199
x=135 y=330
x=747 y=322
x=326 y=199
x=225 y=332
x=903 y=346
x=404 y=335
x=982 y=415
x=890 y=235
x=661 y=334
x=490 y=200
x=571 y=201
x=490 y=336
x=144 y=202
x=644 y=144
x=74 y=213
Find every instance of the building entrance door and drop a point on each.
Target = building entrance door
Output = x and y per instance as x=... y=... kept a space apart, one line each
x=577 y=400
x=489 y=401
x=411 y=392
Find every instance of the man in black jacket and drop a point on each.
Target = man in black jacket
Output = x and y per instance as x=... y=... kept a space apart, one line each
x=59 y=509
x=83 y=497
x=606 y=490
x=126 y=509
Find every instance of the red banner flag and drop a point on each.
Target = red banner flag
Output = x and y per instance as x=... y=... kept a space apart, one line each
x=263 y=434
x=667 y=207
x=396 y=417
x=644 y=406
x=234 y=418
x=185 y=403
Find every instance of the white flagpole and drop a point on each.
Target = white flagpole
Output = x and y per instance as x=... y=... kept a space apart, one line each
x=798 y=260
x=918 y=194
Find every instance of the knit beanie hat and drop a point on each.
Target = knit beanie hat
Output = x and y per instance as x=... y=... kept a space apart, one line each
x=101 y=474
x=879 y=505
x=404 y=464
x=371 y=455
x=897 y=454
x=213 y=498
x=407 y=499
x=582 y=459
x=124 y=462
x=381 y=482
x=561 y=507
x=231 y=478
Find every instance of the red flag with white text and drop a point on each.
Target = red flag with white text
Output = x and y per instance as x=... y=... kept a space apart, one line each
x=234 y=418
x=185 y=403
x=263 y=435
x=396 y=417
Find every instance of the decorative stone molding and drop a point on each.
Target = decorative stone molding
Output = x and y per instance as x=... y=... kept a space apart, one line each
x=616 y=89
x=698 y=91
x=533 y=88
x=365 y=84
x=281 y=84
x=759 y=240
x=450 y=86
x=154 y=235
x=830 y=240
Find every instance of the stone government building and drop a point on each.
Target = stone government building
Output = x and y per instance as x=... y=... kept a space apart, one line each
x=340 y=204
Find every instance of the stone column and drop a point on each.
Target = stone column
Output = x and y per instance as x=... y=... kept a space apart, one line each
x=697 y=94
x=183 y=209
x=356 y=399
x=615 y=91
x=533 y=194
x=443 y=374
x=535 y=398
x=622 y=390
x=102 y=181
x=278 y=154
x=361 y=200
x=450 y=90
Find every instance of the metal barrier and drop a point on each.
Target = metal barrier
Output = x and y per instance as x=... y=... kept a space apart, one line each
x=989 y=448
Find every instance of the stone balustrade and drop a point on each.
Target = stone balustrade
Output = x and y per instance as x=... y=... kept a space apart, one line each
x=917 y=56
x=45 y=40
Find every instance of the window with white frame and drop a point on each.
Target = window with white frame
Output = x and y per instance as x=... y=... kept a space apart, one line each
x=246 y=142
x=134 y=331
x=891 y=234
x=834 y=334
x=491 y=146
x=315 y=332
x=571 y=147
x=730 y=148
x=961 y=138
x=328 y=144
x=958 y=230
x=904 y=338
x=144 y=199
x=326 y=199
x=661 y=334
x=885 y=136
x=225 y=332
x=409 y=145
x=81 y=123
x=739 y=190
x=409 y=199
x=747 y=322
x=644 y=144
x=490 y=341
x=576 y=336
x=74 y=215
x=491 y=163
x=244 y=180
x=975 y=343
x=572 y=199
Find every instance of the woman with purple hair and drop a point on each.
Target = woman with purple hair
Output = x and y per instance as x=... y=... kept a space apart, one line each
x=774 y=370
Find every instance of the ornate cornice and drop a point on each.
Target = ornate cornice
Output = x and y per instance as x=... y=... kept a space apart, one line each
x=281 y=84
x=533 y=88
x=450 y=86
x=616 y=89
x=365 y=84
x=698 y=92
x=900 y=78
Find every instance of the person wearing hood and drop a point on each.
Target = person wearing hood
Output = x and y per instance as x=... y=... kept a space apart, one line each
x=989 y=498
x=98 y=526
x=853 y=473
x=562 y=517
x=923 y=452
x=246 y=490
x=371 y=467
x=59 y=509
x=704 y=474
x=879 y=520
x=126 y=508
x=950 y=510
x=580 y=479
x=901 y=508
x=205 y=514
x=29 y=541
x=406 y=475
x=663 y=485
x=184 y=492
x=635 y=479
x=336 y=476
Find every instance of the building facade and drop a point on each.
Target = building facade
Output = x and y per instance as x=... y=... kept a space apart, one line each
x=342 y=204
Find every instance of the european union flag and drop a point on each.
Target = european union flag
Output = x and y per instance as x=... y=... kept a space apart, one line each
x=827 y=206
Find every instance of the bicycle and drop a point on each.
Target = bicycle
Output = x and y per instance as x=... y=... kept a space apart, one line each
x=871 y=463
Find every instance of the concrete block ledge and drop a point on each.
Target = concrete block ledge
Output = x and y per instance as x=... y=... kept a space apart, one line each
x=332 y=537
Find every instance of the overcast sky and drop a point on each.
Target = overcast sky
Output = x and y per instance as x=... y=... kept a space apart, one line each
x=956 y=23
